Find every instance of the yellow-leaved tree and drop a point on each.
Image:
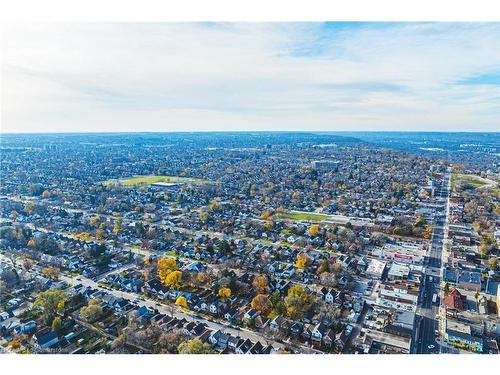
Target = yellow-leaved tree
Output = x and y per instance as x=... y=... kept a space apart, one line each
x=314 y=229
x=224 y=293
x=260 y=284
x=174 y=279
x=302 y=261
x=182 y=302
x=165 y=267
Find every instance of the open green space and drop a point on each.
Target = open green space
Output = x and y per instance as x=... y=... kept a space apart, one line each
x=470 y=179
x=148 y=180
x=301 y=216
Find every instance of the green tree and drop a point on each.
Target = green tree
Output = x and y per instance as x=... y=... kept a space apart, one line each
x=194 y=346
x=446 y=288
x=50 y=302
x=90 y=312
x=56 y=324
x=296 y=302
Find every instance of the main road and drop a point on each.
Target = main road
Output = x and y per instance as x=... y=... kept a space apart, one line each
x=427 y=324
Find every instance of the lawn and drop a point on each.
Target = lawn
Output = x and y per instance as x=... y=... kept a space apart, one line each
x=470 y=179
x=148 y=180
x=496 y=191
x=301 y=216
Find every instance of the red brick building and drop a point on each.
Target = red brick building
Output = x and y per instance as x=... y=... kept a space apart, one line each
x=454 y=300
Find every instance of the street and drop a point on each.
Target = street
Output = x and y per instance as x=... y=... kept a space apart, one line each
x=427 y=326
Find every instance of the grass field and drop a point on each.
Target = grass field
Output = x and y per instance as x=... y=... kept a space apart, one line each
x=148 y=180
x=301 y=216
x=470 y=179
x=496 y=191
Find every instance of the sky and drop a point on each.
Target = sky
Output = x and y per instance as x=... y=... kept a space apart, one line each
x=114 y=77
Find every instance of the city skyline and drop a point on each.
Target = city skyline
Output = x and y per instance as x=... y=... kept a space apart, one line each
x=251 y=76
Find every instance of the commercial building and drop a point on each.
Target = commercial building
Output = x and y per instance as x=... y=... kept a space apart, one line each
x=376 y=268
x=460 y=336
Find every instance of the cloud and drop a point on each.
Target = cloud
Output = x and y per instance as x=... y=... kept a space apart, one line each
x=271 y=76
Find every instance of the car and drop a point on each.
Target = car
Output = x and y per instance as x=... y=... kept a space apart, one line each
x=430 y=346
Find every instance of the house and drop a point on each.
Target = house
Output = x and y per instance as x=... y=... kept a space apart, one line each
x=261 y=322
x=26 y=328
x=8 y=325
x=257 y=348
x=469 y=280
x=231 y=314
x=455 y=300
x=244 y=347
x=276 y=323
x=329 y=337
x=234 y=342
x=218 y=308
x=219 y=339
x=45 y=340
x=251 y=315
x=319 y=332
x=296 y=328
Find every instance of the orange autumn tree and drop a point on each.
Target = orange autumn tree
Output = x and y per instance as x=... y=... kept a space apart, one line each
x=262 y=304
x=260 y=284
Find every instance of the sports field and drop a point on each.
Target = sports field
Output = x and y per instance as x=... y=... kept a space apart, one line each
x=148 y=180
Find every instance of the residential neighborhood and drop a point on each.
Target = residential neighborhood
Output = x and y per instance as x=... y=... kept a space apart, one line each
x=296 y=243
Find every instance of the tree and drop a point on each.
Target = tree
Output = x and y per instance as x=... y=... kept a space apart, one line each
x=117 y=227
x=262 y=303
x=446 y=288
x=56 y=324
x=260 y=284
x=46 y=194
x=302 y=261
x=484 y=250
x=174 y=279
x=13 y=215
x=266 y=214
x=324 y=266
x=51 y=302
x=194 y=346
x=204 y=216
x=476 y=297
x=296 y=302
x=51 y=273
x=493 y=263
x=165 y=267
x=28 y=208
x=202 y=278
x=224 y=293
x=95 y=221
x=182 y=302
x=168 y=342
x=91 y=312
x=313 y=230
x=420 y=221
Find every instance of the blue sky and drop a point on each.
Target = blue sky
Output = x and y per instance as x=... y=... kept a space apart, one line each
x=251 y=76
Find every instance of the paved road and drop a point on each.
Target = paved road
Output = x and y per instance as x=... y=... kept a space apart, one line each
x=180 y=314
x=427 y=325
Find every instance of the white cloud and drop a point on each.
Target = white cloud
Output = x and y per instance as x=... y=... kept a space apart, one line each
x=160 y=77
